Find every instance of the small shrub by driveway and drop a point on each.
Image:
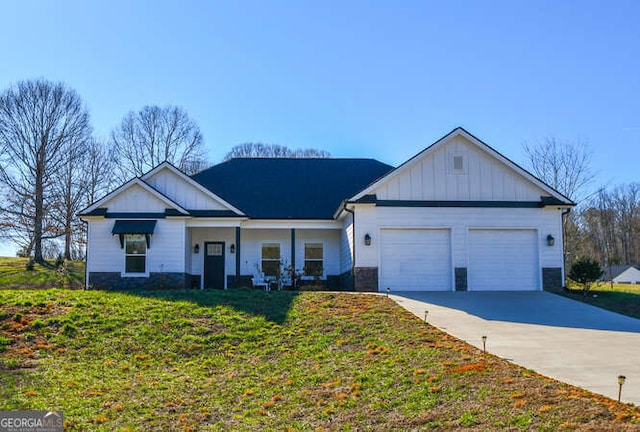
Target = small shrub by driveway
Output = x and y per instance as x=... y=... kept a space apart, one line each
x=250 y=360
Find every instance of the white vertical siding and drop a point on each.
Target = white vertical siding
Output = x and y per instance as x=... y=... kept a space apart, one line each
x=183 y=193
x=483 y=178
x=135 y=199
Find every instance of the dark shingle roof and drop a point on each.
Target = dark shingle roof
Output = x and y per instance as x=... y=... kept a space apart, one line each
x=266 y=188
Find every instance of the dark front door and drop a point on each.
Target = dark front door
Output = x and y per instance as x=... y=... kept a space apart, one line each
x=214 y=265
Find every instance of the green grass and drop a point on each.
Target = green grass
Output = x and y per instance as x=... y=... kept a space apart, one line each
x=621 y=298
x=250 y=360
x=13 y=275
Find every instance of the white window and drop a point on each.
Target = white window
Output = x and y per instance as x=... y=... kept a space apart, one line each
x=135 y=249
x=313 y=254
x=271 y=259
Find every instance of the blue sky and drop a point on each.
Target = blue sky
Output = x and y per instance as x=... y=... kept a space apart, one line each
x=357 y=78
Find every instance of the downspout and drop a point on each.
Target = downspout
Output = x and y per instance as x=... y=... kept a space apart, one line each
x=353 y=239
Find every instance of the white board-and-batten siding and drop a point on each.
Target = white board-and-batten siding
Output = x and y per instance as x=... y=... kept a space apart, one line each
x=482 y=178
x=135 y=200
x=182 y=192
x=165 y=255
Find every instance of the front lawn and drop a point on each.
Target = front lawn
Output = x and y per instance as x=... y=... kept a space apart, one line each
x=13 y=274
x=250 y=360
x=621 y=298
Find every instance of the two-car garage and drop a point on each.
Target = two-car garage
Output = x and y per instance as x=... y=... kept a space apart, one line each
x=422 y=259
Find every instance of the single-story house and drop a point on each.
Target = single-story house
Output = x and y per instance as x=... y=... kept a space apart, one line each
x=622 y=274
x=457 y=216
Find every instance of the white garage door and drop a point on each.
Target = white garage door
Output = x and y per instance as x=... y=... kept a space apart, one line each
x=503 y=260
x=415 y=259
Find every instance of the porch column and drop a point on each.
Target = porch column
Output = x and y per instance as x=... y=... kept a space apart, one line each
x=237 y=251
x=293 y=254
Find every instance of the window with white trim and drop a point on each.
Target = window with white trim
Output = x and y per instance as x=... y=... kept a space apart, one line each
x=271 y=259
x=313 y=256
x=135 y=250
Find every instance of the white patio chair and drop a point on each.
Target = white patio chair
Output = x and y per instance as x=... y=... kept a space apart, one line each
x=260 y=281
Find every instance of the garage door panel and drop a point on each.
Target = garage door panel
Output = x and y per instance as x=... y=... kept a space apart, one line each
x=415 y=259
x=503 y=260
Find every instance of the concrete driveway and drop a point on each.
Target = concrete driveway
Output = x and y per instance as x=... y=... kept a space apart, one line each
x=557 y=337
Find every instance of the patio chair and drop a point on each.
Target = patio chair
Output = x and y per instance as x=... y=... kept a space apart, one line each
x=260 y=281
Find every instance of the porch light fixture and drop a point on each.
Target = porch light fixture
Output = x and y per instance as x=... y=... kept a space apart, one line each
x=550 y=240
x=621 y=380
x=232 y=248
x=196 y=248
x=367 y=239
x=484 y=343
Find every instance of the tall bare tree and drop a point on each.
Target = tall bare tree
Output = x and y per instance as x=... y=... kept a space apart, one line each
x=39 y=120
x=564 y=165
x=98 y=167
x=260 y=150
x=68 y=192
x=154 y=135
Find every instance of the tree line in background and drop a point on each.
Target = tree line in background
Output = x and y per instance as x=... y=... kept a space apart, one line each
x=52 y=166
x=604 y=225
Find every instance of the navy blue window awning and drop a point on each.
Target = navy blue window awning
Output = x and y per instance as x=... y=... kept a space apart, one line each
x=145 y=227
x=134 y=227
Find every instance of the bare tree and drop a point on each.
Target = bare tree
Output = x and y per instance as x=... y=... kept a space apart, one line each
x=153 y=135
x=98 y=167
x=566 y=166
x=260 y=150
x=39 y=120
x=68 y=192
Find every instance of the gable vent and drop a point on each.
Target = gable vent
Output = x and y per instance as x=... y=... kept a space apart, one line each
x=458 y=163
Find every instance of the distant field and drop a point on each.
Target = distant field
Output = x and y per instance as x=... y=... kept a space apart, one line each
x=253 y=360
x=13 y=275
x=621 y=298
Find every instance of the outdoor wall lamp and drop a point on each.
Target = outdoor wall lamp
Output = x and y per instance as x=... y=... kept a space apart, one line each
x=232 y=248
x=196 y=248
x=550 y=240
x=367 y=239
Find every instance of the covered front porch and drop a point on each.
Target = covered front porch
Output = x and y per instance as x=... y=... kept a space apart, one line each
x=227 y=255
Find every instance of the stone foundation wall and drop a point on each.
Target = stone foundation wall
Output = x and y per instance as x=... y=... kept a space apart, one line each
x=242 y=281
x=552 y=278
x=366 y=279
x=114 y=281
x=345 y=280
x=461 y=279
